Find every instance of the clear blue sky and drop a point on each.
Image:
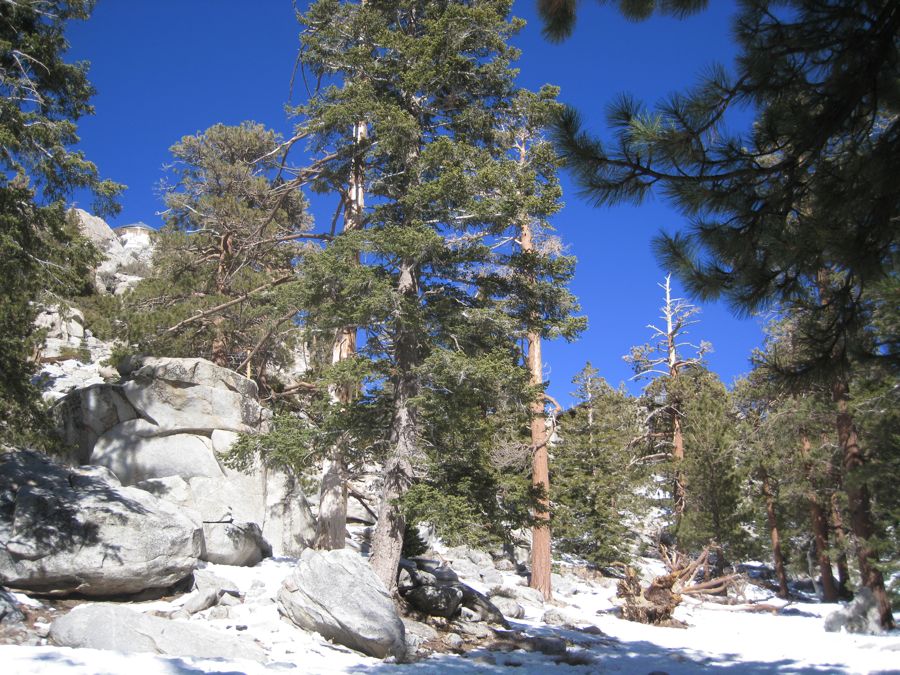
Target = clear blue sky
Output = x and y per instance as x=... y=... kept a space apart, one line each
x=168 y=68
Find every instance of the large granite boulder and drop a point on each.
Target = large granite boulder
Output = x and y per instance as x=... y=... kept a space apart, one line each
x=65 y=530
x=84 y=415
x=175 y=418
x=336 y=594
x=117 y=628
x=134 y=457
x=289 y=525
x=193 y=395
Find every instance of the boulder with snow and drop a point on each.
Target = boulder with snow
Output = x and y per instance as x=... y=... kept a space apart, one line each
x=117 y=628
x=336 y=594
x=65 y=530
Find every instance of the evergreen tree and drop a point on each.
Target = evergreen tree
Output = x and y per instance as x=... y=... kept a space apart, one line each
x=42 y=98
x=713 y=507
x=234 y=226
x=801 y=210
x=666 y=358
x=432 y=83
x=596 y=478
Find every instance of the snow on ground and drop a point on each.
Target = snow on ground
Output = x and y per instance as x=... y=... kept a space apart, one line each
x=722 y=638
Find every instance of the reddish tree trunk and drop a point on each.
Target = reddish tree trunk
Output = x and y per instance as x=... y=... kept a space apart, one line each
x=819 y=525
x=858 y=502
x=777 y=556
x=837 y=522
x=540 y=464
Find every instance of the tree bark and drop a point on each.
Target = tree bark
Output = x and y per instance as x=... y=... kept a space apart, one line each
x=331 y=526
x=540 y=462
x=387 y=540
x=819 y=524
x=777 y=557
x=837 y=522
x=858 y=501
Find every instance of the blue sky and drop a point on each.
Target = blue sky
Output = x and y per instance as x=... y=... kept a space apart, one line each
x=164 y=69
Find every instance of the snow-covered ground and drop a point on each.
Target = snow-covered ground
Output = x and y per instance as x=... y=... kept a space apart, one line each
x=732 y=639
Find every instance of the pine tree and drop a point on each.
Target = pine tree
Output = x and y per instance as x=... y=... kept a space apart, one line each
x=234 y=229
x=807 y=192
x=42 y=98
x=537 y=273
x=666 y=358
x=713 y=507
x=595 y=473
x=431 y=82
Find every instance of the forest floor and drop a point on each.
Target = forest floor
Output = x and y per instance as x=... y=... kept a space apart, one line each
x=762 y=634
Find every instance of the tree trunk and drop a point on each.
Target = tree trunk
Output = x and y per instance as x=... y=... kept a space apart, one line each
x=777 y=556
x=819 y=524
x=331 y=527
x=678 y=456
x=858 y=502
x=387 y=540
x=837 y=522
x=540 y=463
x=675 y=406
x=540 y=478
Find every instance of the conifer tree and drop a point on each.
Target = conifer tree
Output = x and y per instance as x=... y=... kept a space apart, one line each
x=596 y=475
x=234 y=229
x=537 y=272
x=41 y=99
x=432 y=83
x=713 y=509
x=665 y=357
x=809 y=190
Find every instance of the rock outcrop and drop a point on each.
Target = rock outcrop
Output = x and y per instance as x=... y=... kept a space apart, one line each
x=127 y=251
x=336 y=594
x=106 y=626
x=65 y=530
x=165 y=429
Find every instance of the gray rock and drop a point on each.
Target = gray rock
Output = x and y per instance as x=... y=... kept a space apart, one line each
x=552 y=646
x=435 y=600
x=439 y=570
x=134 y=459
x=509 y=607
x=562 y=585
x=289 y=525
x=237 y=497
x=187 y=372
x=84 y=415
x=336 y=594
x=95 y=229
x=454 y=641
x=223 y=440
x=859 y=616
x=529 y=596
x=204 y=580
x=476 y=557
x=483 y=608
x=417 y=634
x=490 y=576
x=556 y=617
x=9 y=608
x=466 y=569
x=239 y=544
x=200 y=600
x=73 y=531
x=104 y=626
